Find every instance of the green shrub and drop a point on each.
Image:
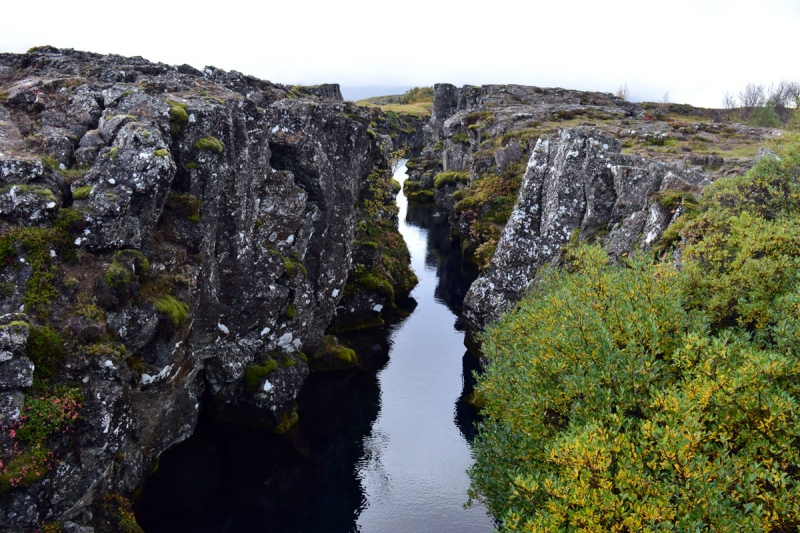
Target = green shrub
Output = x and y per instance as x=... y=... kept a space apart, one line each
x=640 y=397
x=175 y=309
x=212 y=144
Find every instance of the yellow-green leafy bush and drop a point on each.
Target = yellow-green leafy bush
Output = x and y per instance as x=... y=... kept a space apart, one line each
x=643 y=397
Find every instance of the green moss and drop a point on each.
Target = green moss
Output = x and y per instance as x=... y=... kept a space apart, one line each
x=258 y=223
x=178 y=117
x=25 y=469
x=117 y=275
x=113 y=153
x=127 y=266
x=290 y=312
x=374 y=281
x=41 y=192
x=50 y=162
x=450 y=178
x=331 y=355
x=137 y=258
x=191 y=165
x=411 y=185
x=211 y=144
x=673 y=198
x=175 y=309
x=439 y=146
x=462 y=138
x=372 y=134
x=292 y=265
x=289 y=420
x=34 y=245
x=185 y=205
x=367 y=244
x=161 y=153
x=254 y=374
x=46 y=350
x=424 y=196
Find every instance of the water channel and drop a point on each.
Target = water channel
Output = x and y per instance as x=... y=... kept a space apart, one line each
x=380 y=448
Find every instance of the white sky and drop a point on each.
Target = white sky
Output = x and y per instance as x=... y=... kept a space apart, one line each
x=696 y=50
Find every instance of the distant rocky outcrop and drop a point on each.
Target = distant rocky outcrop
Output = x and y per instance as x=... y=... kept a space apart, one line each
x=518 y=169
x=177 y=236
x=577 y=181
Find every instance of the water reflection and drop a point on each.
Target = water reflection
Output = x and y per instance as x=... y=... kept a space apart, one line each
x=414 y=468
x=379 y=448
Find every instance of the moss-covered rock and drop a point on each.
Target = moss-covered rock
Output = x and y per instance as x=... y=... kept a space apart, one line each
x=331 y=355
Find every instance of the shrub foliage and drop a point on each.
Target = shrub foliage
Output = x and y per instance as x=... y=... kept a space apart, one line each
x=656 y=396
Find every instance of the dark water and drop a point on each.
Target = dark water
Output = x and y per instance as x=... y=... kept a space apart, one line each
x=380 y=448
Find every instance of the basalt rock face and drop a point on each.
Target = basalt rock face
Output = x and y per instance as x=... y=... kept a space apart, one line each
x=194 y=231
x=576 y=180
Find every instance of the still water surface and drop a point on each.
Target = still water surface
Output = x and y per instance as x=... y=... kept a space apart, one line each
x=381 y=448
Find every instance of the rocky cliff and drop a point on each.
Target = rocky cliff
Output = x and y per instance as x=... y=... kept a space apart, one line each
x=519 y=168
x=578 y=181
x=167 y=237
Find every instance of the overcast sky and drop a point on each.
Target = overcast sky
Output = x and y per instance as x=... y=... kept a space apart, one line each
x=695 y=50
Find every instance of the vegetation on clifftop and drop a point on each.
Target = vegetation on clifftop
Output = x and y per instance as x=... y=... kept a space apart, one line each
x=656 y=396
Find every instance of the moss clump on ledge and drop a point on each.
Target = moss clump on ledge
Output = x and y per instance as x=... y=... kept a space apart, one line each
x=176 y=310
x=332 y=356
x=462 y=138
x=211 y=144
x=178 y=117
x=254 y=374
x=290 y=312
x=425 y=196
x=42 y=192
x=374 y=281
x=450 y=178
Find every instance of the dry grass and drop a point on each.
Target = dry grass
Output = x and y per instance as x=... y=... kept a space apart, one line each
x=419 y=108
